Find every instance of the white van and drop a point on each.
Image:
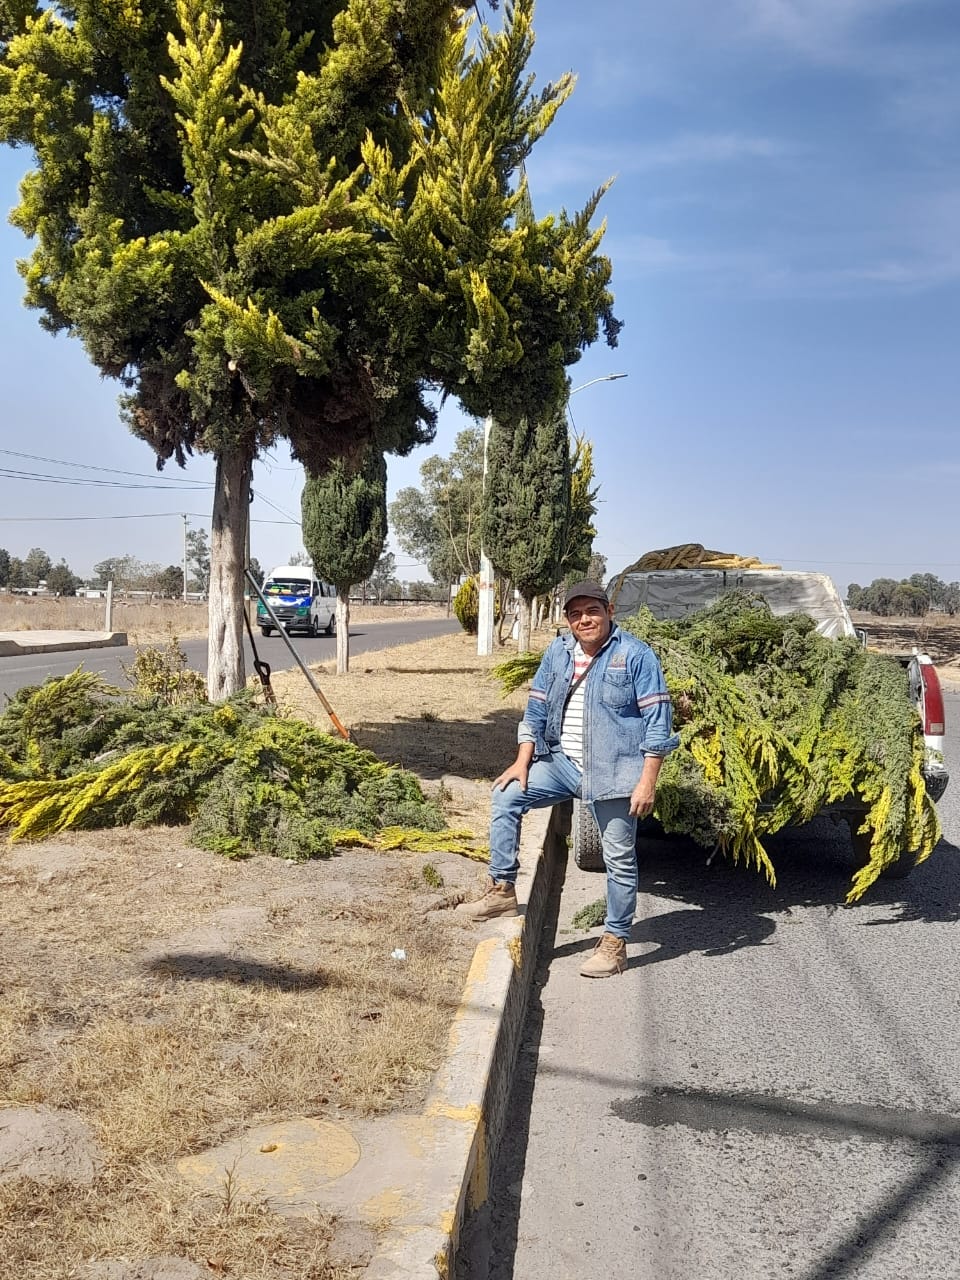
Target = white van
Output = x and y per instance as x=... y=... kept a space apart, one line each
x=299 y=601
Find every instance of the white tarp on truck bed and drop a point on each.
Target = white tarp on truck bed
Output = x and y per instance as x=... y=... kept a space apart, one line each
x=673 y=593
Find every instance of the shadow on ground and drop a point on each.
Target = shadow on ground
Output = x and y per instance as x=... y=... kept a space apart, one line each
x=726 y=907
x=432 y=748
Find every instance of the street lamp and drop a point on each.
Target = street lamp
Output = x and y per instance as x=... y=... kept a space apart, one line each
x=605 y=377
x=486 y=592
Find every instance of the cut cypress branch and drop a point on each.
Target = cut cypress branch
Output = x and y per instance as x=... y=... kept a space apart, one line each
x=776 y=723
x=248 y=781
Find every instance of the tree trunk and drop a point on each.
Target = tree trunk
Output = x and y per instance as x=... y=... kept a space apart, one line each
x=524 y=618
x=343 y=633
x=226 y=673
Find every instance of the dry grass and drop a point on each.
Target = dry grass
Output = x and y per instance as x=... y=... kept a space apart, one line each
x=432 y=706
x=49 y=1229
x=172 y=999
x=156 y=621
x=143 y=622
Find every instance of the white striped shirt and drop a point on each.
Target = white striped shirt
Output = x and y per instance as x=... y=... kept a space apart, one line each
x=571 y=733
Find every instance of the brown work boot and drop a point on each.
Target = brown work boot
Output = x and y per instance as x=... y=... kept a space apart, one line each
x=608 y=957
x=495 y=900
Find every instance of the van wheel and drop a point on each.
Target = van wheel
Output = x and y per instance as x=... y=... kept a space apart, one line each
x=587 y=849
x=314 y=627
x=266 y=631
x=331 y=627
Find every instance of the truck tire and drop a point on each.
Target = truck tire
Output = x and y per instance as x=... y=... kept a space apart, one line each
x=266 y=631
x=587 y=849
x=331 y=627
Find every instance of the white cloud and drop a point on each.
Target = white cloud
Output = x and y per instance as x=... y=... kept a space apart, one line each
x=582 y=164
x=827 y=30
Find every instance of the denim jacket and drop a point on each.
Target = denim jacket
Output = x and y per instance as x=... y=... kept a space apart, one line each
x=626 y=712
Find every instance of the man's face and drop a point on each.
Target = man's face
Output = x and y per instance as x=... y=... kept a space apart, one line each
x=590 y=620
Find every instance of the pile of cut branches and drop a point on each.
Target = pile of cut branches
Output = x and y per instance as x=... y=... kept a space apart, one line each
x=776 y=723
x=77 y=754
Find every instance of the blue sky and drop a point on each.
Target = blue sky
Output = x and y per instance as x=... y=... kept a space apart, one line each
x=785 y=235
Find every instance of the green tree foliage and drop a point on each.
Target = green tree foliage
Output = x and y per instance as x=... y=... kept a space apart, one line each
x=382 y=583
x=526 y=506
x=74 y=754
x=439 y=522
x=345 y=519
x=62 y=580
x=170 y=582
x=425 y=591
x=17 y=574
x=344 y=528
x=910 y=597
x=466 y=605
x=506 y=302
x=36 y=566
x=198 y=559
x=597 y=568
x=256 y=569
x=4 y=567
x=575 y=558
x=197 y=208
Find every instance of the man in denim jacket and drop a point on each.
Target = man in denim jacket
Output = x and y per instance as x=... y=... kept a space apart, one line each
x=597 y=726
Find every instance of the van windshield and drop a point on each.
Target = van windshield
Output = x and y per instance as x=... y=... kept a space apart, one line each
x=286 y=587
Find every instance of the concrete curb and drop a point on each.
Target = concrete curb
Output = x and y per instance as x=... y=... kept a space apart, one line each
x=471 y=1091
x=11 y=648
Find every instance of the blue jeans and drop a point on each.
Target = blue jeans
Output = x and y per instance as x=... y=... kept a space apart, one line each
x=551 y=779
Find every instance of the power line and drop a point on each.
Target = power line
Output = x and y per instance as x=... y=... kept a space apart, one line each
x=85 y=466
x=144 y=515
x=292 y=519
x=9 y=474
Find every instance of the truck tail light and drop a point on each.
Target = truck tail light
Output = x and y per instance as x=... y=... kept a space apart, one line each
x=931 y=701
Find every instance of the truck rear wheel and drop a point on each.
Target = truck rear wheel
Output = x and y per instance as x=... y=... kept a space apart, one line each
x=587 y=849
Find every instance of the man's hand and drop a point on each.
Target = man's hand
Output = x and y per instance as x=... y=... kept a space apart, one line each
x=517 y=772
x=643 y=795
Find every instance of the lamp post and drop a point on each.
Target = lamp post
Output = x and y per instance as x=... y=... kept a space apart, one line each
x=486 y=590
x=604 y=377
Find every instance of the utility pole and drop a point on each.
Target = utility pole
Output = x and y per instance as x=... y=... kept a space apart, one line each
x=184 y=559
x=487 y=584
x=252 y=609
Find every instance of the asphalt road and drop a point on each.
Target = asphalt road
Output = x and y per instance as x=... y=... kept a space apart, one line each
x=772 y=1089
x=34 y=668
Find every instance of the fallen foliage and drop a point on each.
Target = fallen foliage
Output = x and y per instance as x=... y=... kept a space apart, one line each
x=75 y=754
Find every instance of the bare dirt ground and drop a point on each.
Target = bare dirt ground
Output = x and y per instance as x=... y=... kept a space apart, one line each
x=157 y=999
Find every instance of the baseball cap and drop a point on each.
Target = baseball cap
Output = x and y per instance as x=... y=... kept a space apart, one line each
x=591 y=590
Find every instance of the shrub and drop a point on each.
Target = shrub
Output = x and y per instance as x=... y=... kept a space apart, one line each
x=466 y=605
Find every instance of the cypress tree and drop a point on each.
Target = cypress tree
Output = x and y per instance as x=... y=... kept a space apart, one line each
x=197 y=215
x=344 y=528
x=526 y=506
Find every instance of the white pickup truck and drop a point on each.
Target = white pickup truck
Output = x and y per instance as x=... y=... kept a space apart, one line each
x=673 y=593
